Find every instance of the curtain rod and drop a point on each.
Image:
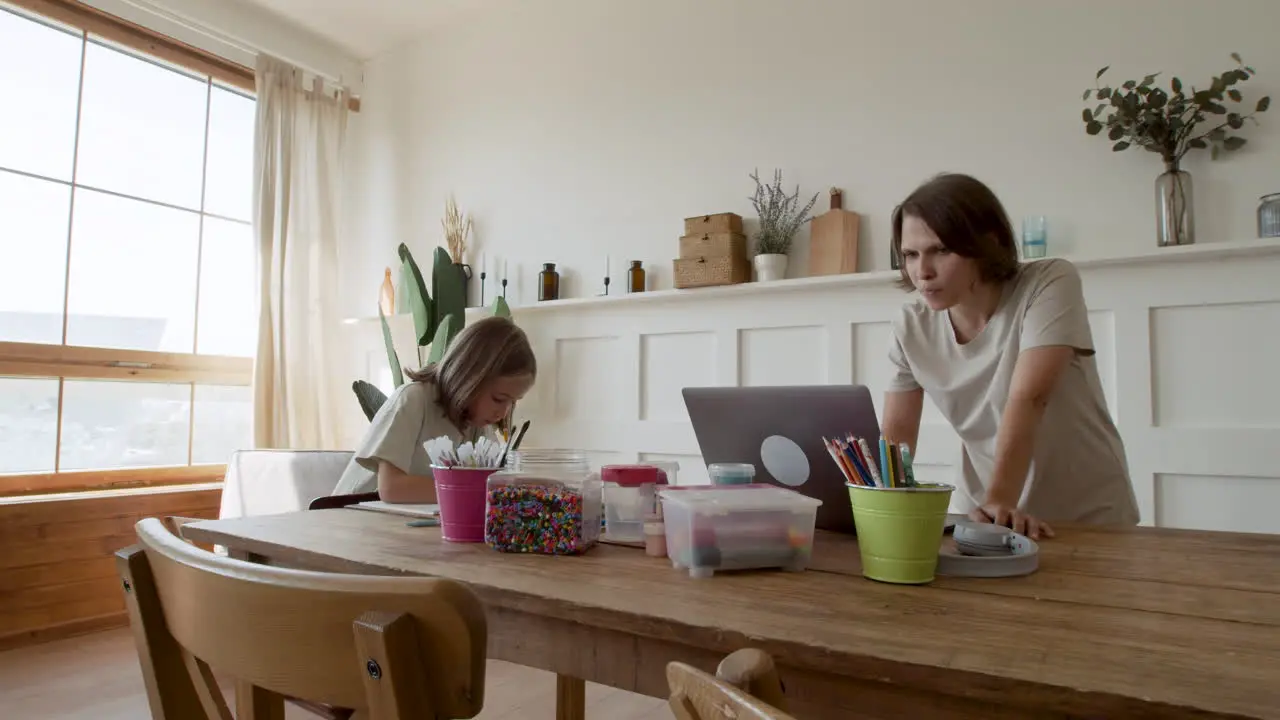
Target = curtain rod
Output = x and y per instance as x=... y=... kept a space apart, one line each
x=230 y=41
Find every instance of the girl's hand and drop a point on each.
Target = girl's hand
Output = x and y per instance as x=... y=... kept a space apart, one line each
x=1011 y=517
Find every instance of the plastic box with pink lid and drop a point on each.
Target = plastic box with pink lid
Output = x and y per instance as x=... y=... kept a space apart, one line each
x=738 y=527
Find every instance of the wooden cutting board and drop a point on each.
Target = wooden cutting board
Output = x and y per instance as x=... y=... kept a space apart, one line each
x=833 y=239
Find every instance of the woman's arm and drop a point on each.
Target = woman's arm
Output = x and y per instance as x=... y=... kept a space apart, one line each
x=902 y=412
x=1034 y=377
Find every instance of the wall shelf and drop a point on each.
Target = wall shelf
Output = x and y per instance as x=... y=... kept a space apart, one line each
x=1204 y=252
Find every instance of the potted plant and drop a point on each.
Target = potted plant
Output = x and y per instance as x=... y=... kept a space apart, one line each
x=779 y=221
x=435 y=320
x=1172 y=123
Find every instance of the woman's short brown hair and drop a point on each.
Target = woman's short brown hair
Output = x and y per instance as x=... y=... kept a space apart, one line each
x=494 y=347
x=969 y=220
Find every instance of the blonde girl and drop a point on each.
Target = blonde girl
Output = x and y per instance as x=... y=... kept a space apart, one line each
x=470 y=392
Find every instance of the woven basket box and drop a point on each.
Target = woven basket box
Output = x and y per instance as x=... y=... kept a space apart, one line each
x=717 y=223
x=710 y=271
x=733 y=245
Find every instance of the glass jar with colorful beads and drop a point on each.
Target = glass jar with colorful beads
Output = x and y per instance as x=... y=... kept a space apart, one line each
x=547 y=501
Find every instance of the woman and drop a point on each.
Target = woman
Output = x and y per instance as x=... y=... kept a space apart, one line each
x=486 y=370
x=1005 y=351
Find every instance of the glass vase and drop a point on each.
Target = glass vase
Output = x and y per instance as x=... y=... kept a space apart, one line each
x=1175 y=214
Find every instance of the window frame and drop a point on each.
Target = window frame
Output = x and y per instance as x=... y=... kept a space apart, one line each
x=71 y=362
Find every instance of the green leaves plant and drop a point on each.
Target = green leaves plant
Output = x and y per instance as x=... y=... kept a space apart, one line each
x=424 y=319
x=779 y=217
x=444 y=333
x=370 y=397
x=397 y=373
x=451 y=293
x=1137 y=113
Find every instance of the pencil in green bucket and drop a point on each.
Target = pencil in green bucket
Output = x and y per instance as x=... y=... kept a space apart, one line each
x=900 y=530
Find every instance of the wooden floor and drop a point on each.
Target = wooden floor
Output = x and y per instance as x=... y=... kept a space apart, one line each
x=97 y=677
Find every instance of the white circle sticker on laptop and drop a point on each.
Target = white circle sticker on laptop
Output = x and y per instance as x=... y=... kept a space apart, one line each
x=784 y=460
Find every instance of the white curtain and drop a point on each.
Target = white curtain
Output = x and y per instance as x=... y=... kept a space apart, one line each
x=301 y=129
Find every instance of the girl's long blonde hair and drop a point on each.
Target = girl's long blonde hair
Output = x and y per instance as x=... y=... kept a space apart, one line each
x=491 y=348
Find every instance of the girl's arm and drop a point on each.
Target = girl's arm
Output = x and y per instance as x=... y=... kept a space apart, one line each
x=397 y=483
x=1035 y=376
x=902 y=412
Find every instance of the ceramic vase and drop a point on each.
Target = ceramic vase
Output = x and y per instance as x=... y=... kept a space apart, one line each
x=770 y=266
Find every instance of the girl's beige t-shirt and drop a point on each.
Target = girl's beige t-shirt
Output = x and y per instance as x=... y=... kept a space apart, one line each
x=398 y=434
x=1078 y=472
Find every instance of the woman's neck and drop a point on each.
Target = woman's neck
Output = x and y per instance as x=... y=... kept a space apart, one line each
x=971 y=315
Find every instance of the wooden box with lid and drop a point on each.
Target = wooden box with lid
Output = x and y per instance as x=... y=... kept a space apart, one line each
x=713 y=251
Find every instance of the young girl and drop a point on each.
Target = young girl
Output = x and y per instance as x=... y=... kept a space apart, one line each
x=1004 y=350
x=470 y=392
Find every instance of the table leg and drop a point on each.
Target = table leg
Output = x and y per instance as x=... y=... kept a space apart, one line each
x=571 y=698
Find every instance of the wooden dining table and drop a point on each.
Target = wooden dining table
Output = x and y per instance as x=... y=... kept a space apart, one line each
x=1115 y=623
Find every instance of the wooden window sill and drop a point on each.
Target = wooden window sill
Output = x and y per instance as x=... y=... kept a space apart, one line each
x=79 y=484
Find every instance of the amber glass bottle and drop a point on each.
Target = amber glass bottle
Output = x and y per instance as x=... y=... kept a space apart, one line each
x=635 y=277
x=548 y=282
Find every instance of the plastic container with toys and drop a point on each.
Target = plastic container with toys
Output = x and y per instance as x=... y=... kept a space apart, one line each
x=738 y=527
x=630 y=498
x=547 y=502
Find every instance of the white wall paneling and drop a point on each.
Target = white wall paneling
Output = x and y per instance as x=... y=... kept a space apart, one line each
x=1186 y=348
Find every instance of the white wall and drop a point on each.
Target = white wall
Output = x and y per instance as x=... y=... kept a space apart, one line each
x=238 y=30
x=576 y=129
x=1184 y=346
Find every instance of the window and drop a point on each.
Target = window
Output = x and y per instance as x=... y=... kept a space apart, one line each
x=127 y=329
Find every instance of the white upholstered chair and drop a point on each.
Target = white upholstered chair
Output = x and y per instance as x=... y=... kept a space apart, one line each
x=266 y=482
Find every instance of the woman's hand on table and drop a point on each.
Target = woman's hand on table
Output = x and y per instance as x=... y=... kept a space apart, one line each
x=1011 y=517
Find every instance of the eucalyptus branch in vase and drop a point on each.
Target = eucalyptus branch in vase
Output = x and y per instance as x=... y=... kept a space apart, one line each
x=1172 y=123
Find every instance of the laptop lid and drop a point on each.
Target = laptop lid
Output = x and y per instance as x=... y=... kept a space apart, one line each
x=779 y=429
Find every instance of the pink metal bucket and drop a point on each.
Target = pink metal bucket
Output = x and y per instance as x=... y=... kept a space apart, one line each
x=461 y=495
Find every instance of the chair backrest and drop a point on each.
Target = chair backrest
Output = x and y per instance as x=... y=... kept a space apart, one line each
x=745 y=687
x=266 y=482
x=393 y=647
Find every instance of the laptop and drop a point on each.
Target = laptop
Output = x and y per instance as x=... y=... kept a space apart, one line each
x=779 y=429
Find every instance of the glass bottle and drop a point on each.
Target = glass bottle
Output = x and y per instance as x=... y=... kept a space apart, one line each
x=1175 y=208
x=387 y=295
x=635 y=277
x=1269 y=216
x=548 y=282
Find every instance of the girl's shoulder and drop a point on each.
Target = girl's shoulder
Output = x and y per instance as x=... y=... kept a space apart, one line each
x=415 y=395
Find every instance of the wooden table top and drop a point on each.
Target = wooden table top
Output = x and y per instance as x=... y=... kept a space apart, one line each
x=1117 y=622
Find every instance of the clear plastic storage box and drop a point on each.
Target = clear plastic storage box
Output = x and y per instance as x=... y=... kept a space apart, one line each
x=630 y=498
x=547 y=502
x=738 y=527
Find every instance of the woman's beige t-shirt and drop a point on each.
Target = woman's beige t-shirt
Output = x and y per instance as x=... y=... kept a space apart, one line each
x=398 y=432
x=1078 y=472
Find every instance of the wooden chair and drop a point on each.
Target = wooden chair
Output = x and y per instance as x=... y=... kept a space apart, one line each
x=386 y=647
x=746 y=686
x=327 y=502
